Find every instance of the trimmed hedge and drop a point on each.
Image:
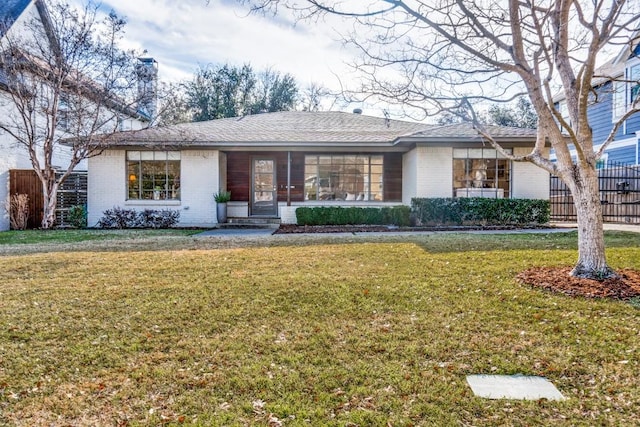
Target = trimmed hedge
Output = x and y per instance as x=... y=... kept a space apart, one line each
x=337 y=215
x=480 y=211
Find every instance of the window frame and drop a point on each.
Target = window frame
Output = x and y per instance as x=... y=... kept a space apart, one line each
x=633 y=78
x=350 y=177
x=163 y=190
x=618 y=99
x=623 y=91
x=473 y=164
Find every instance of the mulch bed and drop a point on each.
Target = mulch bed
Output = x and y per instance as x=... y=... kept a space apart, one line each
x=557 y=279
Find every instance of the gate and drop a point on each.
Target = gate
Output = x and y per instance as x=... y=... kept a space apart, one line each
x=25 y=181
x=619 y=195
x=72 y=192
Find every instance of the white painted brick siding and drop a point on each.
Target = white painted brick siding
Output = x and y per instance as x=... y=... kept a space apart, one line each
x=409 y=176
x=106 y=184
x=199 y=180
x=427 y=172
x=433 y=172
x=528 y=180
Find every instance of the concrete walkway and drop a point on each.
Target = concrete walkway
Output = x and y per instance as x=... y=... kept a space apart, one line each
x=634 y=228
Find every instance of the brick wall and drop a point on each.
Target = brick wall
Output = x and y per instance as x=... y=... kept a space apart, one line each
x=199 y=179
x=434 y=171
x=528 y=180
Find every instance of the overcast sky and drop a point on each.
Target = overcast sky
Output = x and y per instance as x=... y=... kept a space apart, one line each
x=181 y=35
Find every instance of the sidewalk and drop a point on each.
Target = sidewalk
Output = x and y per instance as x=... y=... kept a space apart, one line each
x=559 y=227
x=634 y=228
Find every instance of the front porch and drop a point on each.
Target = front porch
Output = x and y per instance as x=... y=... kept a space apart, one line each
x=273 y=184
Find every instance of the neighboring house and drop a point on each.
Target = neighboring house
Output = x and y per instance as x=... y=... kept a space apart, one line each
x=16 y=17
x=616 y=85
x=273 y=163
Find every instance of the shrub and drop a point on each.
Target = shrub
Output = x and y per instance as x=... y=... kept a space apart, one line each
x=130 y=218
x=165 y=218
x=77 y=216
x=337 y=215
x=18 y=208
x=480 y=211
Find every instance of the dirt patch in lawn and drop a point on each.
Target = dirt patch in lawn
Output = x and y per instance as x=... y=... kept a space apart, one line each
x=557 y=279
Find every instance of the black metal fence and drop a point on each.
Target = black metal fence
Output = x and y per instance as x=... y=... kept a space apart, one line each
x=619 y=195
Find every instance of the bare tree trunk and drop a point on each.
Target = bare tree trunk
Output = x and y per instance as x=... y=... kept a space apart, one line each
x=50 y=195
x=592 y=261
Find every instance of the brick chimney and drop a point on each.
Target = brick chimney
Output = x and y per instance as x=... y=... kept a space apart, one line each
x=147 y=73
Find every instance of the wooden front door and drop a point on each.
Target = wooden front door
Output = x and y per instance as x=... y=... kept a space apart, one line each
x=264 y=194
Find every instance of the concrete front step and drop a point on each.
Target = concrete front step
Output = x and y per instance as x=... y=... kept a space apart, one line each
x=236 y=222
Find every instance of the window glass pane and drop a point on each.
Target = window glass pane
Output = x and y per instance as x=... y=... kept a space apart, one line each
x=376 y=186
x=619 y=106
x=461 y=178
x=311 y=182
x=343 y=177
x=486 y=176
x=153 y=179
x=133 y=179
x=376 y=160
x=475 y=153
x=634 y=86
x=173 y=155
x=350 y=160
x=173 y=180
x=459 y=153
x=489 y=153
x=377 y=169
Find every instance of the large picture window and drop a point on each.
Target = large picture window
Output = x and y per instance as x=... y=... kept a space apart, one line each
x=480 y=172
x=343 y=177
x=153 y=175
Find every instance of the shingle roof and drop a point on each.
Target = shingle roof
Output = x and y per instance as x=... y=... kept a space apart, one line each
x=466 y=131
x=10 y=10
x=281 y=127
x=310 y=128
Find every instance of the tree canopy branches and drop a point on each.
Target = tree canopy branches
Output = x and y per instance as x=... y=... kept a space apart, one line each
x=451 y=55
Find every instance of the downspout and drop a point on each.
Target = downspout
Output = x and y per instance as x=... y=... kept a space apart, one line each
x=288 y=178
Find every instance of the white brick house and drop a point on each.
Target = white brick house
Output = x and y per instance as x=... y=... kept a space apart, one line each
x=273 y=163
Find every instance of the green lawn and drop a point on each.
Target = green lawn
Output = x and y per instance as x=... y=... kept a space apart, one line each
x=372 y=332
x=75 y=236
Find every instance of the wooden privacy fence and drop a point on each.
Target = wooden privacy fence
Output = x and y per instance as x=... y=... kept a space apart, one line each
x=619 y=195
x=25 y=181
x=72 y=192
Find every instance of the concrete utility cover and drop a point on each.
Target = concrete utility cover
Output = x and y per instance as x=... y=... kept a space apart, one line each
x=513 y=387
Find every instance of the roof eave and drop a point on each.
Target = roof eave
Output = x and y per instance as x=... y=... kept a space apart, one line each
x=445 y=141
